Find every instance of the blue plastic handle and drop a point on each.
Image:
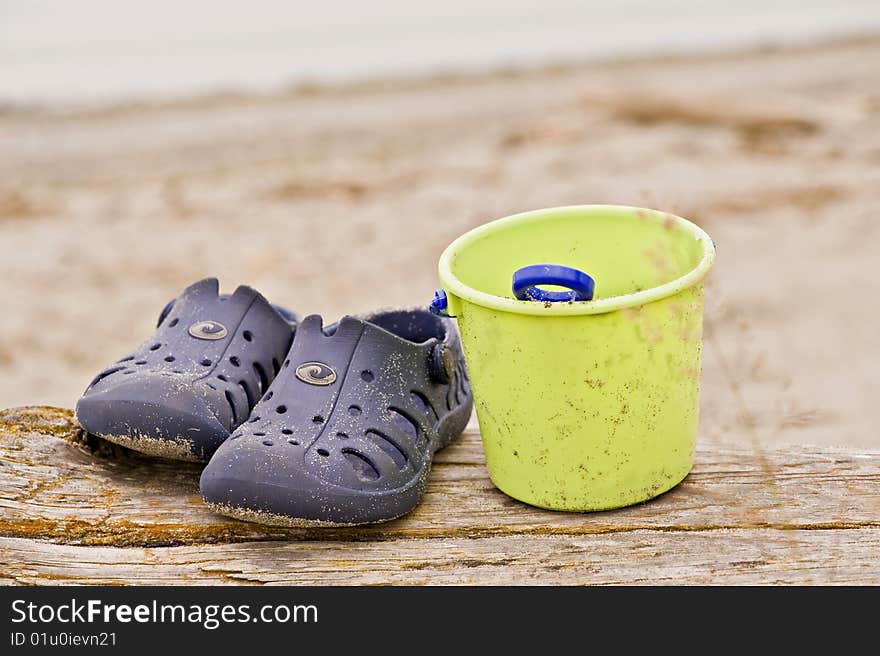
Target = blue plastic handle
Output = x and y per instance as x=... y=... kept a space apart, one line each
x=440 y=304
x=527 y=279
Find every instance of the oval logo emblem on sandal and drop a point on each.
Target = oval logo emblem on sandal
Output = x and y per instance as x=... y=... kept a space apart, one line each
x=316 y=373
x=208 y=330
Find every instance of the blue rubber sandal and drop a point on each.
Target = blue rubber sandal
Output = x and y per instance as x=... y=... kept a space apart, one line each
x=184 y=390
x=347 y=432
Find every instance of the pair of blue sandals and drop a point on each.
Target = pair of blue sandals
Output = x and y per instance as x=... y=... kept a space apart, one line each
x=300 y=424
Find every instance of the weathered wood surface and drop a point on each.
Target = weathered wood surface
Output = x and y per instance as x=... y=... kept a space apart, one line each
x=75 y=509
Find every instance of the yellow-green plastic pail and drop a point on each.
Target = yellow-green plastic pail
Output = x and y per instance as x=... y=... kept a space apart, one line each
x=584 y=405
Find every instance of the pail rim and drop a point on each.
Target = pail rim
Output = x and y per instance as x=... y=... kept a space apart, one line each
x=598 y=306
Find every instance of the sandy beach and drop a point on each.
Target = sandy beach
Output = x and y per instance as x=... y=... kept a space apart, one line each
x=338 y=200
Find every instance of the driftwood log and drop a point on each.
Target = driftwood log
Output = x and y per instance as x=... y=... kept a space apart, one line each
x=76 y=510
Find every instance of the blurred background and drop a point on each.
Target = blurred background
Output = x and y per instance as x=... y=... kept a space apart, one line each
x=89 y=50
x=326 y=153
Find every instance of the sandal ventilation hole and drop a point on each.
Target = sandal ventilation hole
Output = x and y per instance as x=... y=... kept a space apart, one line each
x=234 y=361
x=406 y=424
x=317 y=419
x=211 y=386
x=248 y=336
x=281 y=409
x=354 y=410
x=341 y=435
x=323 y=453
x=139 y=362
x=223 y=378
x=231 y=401
x=254 y=419
x=155 y=347
x=104 y=374
x=268 y=443
x=389 y=446
x=286 y=431
x=456 y=386
x=128 y=358
x=130 y=371
x=169 y=358
x=462 y=381
x=286 y=363
x=206 y=362
x=260 y=434
x=421 y=402
x=247 y=392
x=363 y=468
x=293 y=442
x=269 y=395
x=173 y=323
x=367 y=376
x=264 y=381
